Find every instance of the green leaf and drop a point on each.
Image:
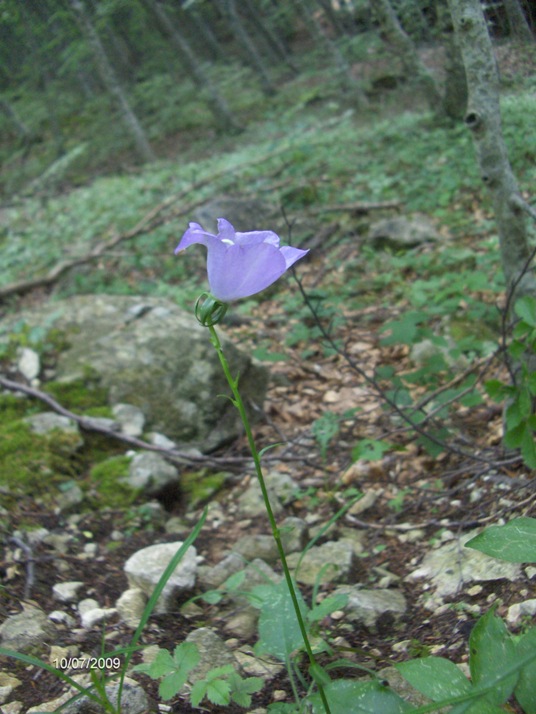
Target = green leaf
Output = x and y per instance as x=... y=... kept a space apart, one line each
x=525 y=308
x=174 y=669
x=514 y=542
x=491 y=652
x=435 y=677
x=525 y=691
x=348 y=695
x=327 y=606
x=279 y=632
x=370 y=449
x=242 y=689
x=497 y=390
x=235 y=580
x=212 y=597
x=219 y=692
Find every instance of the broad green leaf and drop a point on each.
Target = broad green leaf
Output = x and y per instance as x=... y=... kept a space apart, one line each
x=514 y=542
x=279 y=632
x=525 y=691
x=235 y=580
x=528 y=447
x=497 y=390
x=162 y=665
x=327 y=606
x=347 y=695
x=435 y=677
x=370 y=449
x=174 y=669
x=219 y=692
x=242 y=689
x=525 y=308
x=491 y=653
x=212 y=596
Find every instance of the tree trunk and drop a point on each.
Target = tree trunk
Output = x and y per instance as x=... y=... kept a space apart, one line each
x=330 y=48
x=41 y=64
x=215 y=101
x=208 y=38
x=246 y=43
x=484 y=119
x=455 y=97
x=402 y=43
x=517 y=22
x=111 y=82
x=11 y=114
x=275 y=45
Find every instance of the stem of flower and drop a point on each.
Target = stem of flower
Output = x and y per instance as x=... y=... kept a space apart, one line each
x=239 y=404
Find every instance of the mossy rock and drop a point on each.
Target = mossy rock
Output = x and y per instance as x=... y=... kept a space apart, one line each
x=81 y=395
x=30 y=463
x=108 y=479
x=200 y=486
x=13 y=407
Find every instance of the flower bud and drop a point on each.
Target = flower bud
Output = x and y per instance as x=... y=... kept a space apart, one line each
x=209 y=311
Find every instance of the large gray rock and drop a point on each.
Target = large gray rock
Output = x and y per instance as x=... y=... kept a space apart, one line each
x=145 y=568
x=451 y=566
x=151 y=354
x=29 y=631
x=400 y=233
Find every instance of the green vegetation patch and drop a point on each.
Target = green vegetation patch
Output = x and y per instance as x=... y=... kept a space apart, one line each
x=200 y=486
x=81 y=395
x=30 y=463
x=108 y=479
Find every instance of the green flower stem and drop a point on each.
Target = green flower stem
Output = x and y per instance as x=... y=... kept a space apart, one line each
x=239 y=404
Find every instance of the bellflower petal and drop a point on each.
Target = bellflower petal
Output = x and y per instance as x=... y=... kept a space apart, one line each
x=240 y=264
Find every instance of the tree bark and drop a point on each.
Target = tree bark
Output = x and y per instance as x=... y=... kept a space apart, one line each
x=215 y=101
x=11 y=114
x=517 y=22
x=343 y=68
x=111 y=82
x=483 y=118
x=246 y=43
x=409 y=56
x=273 y=42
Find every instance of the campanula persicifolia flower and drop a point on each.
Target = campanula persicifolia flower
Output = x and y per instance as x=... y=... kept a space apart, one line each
x=240 y=264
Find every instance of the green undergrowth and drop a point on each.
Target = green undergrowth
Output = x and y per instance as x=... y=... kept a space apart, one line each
x=362 y=158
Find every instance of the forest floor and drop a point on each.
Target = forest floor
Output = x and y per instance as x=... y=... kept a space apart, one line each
x=470 y=484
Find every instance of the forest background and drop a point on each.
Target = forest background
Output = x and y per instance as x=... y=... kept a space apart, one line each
x=121 y=119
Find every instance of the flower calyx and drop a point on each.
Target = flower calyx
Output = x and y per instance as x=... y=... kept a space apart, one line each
x=209 y=310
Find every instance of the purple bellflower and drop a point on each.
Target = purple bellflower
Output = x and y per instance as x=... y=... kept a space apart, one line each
x=240 y=264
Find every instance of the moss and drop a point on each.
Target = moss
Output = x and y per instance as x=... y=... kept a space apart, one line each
x=30 y=463
x=200 y=486
x=81 y=395
x=13 y=407
x=108 y=480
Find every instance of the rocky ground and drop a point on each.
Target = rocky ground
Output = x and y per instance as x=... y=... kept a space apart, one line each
x=412 y=588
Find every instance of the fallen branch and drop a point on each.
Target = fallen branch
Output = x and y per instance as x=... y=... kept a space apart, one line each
x=95 y=425
x=356 y=207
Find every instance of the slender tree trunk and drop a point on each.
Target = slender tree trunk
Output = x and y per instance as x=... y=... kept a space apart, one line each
x=277 y=47
x=11 y=114
x=208 y=38
x=519 y=27
x=244 y=40
x=455 y=96
x=332 y=16
x=41 y=63
x=111 y=82
x=343 y=68
x=402 y=43
x=215 y=101
x=484 y=119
